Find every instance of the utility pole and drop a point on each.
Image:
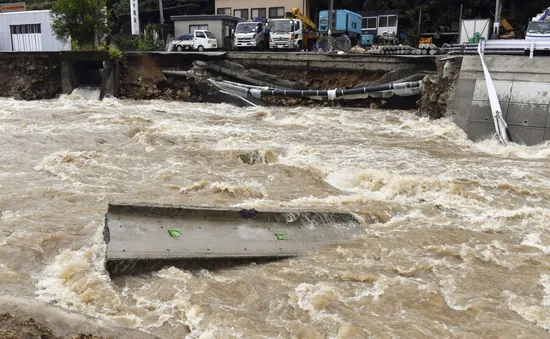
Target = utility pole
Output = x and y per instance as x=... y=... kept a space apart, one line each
x=330 y=11
x=419 y=21
x=496 y=25
x=161 y=13
x=161 y=10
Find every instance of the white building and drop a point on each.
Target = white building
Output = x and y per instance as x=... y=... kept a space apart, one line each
x=29 y=31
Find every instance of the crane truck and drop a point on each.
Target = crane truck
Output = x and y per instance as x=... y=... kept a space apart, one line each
x=539 y=27
x=296 y=31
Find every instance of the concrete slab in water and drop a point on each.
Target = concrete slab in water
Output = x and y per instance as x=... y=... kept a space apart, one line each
x=134 y=232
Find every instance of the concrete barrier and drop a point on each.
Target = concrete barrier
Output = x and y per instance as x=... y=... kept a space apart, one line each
x=145 y=233
x=523 y=89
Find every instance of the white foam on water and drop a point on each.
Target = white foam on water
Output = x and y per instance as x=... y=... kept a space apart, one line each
x=532 y=309
x=494 y=147
x=314 y=299
x=87 y=93
x=534 y=240
x=77 y=280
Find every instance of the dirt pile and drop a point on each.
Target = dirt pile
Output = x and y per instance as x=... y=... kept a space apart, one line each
x=326 y=79
x=30 y=78
x=142 y=79
x=438 y=90
x=12 y=327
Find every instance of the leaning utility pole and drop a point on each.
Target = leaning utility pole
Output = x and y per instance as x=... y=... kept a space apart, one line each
x=330 y=10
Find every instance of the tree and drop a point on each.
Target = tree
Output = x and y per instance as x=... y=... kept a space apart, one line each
x=80 y=20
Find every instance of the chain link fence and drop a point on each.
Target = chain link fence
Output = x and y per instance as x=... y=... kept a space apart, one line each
x=330 y=44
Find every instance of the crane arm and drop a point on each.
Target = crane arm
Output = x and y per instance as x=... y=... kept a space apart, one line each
x=297 y=14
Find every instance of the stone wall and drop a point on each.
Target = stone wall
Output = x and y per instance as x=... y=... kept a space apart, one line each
x=30 y=76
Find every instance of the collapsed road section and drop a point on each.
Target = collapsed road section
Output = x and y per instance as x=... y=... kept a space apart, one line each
x=145 y=235
x=251 y=91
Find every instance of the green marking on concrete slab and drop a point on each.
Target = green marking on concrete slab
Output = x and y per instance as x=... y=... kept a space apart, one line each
x=175 y=233
x=280 y=235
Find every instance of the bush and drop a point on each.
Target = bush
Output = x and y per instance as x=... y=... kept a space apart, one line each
x=149 y=41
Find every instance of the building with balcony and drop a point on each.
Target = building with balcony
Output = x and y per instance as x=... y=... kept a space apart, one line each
x=378 y=22
x=269 y=9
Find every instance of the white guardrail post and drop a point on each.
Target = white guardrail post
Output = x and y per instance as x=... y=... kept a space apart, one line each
x=500 y=124
x=504 y=47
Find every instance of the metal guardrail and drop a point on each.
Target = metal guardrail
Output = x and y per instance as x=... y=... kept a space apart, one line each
x=499 y=47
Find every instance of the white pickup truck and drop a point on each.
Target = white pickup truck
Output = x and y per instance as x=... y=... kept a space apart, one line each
x=199 y=40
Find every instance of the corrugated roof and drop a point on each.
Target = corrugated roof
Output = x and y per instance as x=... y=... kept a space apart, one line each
x=205 y=17
x=365 y=14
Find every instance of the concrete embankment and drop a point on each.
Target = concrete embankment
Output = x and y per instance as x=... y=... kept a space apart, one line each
x=523 y=89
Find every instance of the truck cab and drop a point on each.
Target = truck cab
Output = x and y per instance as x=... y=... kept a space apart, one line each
x=538 y=30
x=286 y=34
x=539 y=27
x=199 y=40
x=251 y=34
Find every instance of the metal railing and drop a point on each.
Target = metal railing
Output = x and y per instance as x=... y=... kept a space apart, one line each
x=512 y=47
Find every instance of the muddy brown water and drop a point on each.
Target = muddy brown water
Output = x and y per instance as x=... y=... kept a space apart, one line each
x=455 y=242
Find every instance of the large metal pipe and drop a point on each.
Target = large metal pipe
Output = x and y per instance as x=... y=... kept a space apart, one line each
x=333 y=94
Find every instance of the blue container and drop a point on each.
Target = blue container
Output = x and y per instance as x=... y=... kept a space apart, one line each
x=367 y=40
x=343 y=22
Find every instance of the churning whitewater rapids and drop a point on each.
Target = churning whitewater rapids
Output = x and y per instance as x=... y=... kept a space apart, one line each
x=456 y=240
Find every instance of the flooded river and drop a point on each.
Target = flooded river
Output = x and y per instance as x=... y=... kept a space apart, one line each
x=456 y=236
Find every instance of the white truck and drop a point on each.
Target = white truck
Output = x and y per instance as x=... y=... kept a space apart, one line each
x=539 y=27
x=250 y=35
x=286 y=34
x=199 y=40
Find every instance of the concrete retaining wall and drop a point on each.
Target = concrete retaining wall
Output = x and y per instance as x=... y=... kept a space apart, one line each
x=523 y=89
x=347 y=62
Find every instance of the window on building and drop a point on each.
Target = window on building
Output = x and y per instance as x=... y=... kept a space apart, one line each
x=258 y=13
x=224 y=11
x=370 y=23
x=241 y=13
x=276 y=12
x=383 y=21
x=193 y=28
x=387 y=21
x=26 y=37
x=25 y=29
